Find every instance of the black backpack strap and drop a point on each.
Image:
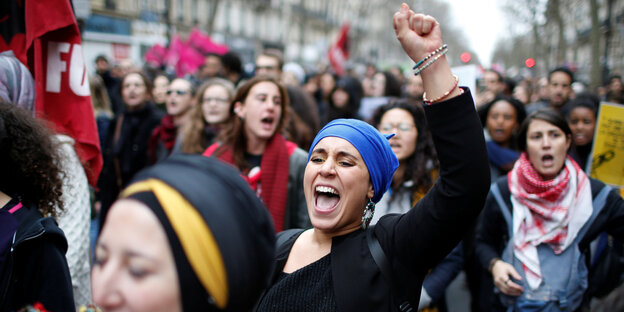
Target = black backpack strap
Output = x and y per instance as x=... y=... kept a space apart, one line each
x=382 y=262
x=284 y=236
x=504 y=208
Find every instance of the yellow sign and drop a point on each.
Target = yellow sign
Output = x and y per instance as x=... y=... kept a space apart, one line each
x=608 y=150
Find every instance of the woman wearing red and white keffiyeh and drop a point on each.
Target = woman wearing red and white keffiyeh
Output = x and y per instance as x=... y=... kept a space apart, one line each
x=550 y=212
x=539 y=220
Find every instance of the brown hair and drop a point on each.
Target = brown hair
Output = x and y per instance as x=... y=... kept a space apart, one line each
x=146 y=81
x=234 y=136
x=99 y=97
x=194 y=138
x=276 y=54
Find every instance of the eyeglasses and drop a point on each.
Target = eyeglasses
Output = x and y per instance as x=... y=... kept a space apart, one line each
x=402 y=126
x=216 y=99
x=178 y=92
x=265 y=67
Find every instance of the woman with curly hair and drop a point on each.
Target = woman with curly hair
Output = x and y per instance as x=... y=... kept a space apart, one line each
x=211 y=113
x=417 y=172
x=17 y=87
x=413 y=146
x=33 y=267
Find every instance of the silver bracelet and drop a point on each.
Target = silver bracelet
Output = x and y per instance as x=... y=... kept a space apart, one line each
x=420 y=69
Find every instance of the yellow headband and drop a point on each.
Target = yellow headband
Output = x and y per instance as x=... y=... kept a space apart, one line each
x=199 y=245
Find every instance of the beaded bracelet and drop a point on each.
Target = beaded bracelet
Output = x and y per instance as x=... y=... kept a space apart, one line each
x=444 y=46
x=420 y=69
x=443 y=96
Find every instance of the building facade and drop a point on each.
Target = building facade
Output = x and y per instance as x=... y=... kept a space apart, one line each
x=302 y=29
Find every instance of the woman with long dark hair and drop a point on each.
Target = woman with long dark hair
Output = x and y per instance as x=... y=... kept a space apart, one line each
x=412 y=144
x=343 y=100
x=416 y=174
x=126 y=149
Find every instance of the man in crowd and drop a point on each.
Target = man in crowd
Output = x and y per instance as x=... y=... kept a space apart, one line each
x=493 y=83
x=559 y=91
x=615 y=90
x=112 y=83
x=269 y=63
x=212 y=67
x=233 y=67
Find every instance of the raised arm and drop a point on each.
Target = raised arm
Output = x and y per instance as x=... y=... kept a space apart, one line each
x=450 y=208
x=420 y=35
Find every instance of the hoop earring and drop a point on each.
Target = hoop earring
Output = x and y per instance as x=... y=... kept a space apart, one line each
x=367 y=216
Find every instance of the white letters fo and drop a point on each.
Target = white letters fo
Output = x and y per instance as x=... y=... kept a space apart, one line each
x=78 y=81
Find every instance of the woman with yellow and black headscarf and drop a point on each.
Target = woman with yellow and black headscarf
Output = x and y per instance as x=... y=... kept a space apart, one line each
x=187 y=235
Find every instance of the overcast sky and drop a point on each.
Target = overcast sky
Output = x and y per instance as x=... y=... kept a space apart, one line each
x=483 y=23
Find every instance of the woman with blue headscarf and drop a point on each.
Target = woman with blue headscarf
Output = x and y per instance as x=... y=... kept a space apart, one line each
x=341 y=264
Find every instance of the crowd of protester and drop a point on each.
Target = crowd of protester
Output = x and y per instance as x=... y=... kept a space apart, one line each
x=199 y=173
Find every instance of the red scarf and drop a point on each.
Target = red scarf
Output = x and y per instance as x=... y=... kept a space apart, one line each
x=166 y=133
x=546 y=211
x=273 y=175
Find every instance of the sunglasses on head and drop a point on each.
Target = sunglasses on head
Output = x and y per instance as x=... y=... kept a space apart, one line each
x=178 y=92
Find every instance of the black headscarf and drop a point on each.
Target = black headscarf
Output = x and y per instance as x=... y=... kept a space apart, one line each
x=238 y=221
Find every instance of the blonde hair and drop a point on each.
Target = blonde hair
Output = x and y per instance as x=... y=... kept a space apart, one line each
x=99 y=97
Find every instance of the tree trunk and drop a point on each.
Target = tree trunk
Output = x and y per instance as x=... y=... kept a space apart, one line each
x=595 y=80
x=538 y=45
x=561 y=44
x=214 y=6
x=539 y=48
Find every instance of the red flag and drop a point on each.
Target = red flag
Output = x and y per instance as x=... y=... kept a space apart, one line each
x=339 y=51
x=155 y=55
x=204 y=44
x=47 y=40
x=182 y=57
x=173 y=52
x=189 y=61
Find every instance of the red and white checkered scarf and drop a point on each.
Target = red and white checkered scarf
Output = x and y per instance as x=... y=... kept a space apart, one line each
x=550 y=212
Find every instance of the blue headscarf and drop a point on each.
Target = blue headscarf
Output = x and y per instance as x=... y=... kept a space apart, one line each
x=372 y=145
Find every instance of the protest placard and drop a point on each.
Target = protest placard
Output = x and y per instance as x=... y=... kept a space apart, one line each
x=608 y=150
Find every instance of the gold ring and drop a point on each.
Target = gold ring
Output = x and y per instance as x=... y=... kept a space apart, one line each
x=507 y=281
